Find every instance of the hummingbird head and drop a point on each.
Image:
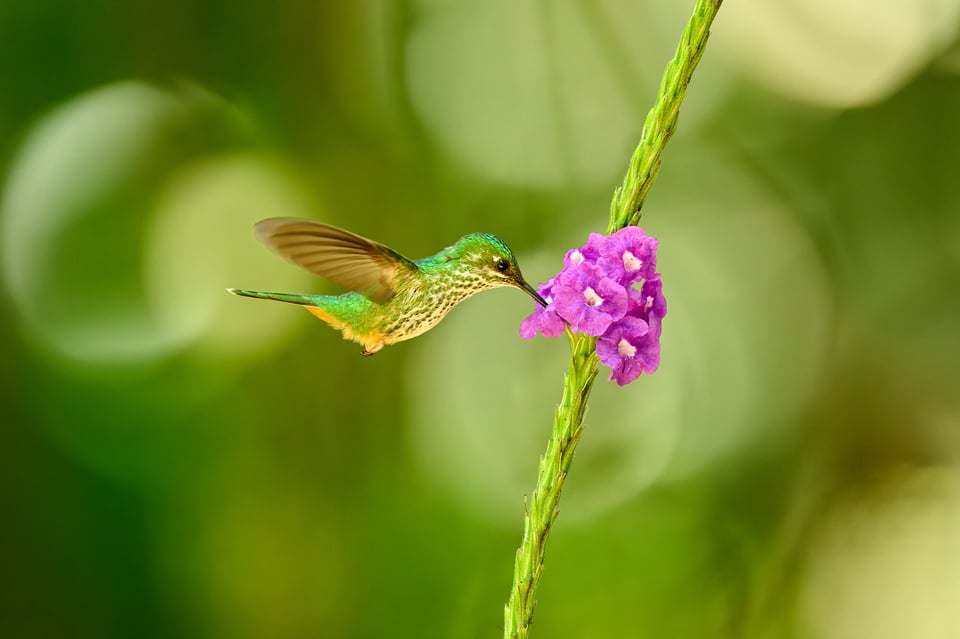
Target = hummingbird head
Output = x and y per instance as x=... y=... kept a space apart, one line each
x=488 y=258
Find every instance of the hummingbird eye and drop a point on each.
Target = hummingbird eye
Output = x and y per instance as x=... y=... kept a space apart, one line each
x=501 y=264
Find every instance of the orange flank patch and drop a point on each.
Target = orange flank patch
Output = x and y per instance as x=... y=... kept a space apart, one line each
x=325 y=316
x=372 y=341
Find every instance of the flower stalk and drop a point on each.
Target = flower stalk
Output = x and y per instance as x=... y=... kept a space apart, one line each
x=543 y=506
x=661 y=121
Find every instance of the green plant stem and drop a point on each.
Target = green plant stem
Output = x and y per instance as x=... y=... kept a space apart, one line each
x=542 y=508
x=662 y=119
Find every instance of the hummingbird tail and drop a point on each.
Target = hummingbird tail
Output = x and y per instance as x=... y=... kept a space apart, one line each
x=290 y=298
x=333 y=310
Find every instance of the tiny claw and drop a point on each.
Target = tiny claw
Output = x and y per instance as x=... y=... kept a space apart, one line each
x=373 y=349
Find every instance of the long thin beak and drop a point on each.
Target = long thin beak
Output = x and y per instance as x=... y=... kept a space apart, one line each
x=533 y=293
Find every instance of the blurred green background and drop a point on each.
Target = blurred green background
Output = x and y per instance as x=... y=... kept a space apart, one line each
x=178 y=462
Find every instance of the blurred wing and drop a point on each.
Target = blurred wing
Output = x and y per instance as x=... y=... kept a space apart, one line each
x=340 y=256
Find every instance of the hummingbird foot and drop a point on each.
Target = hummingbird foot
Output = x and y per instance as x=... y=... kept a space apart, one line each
x=369 y=350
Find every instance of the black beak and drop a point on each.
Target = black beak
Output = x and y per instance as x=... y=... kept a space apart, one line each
x=532 y=292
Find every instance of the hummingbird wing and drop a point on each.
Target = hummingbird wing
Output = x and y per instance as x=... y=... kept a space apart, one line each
x=345 y=258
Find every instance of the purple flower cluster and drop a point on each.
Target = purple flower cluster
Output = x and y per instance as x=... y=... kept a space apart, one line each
x=610 y=289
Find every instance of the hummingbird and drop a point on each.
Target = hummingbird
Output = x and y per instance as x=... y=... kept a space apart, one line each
x=392 y=298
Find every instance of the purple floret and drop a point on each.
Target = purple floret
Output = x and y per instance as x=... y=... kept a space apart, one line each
x=544 y=319
x=629 y=256
x=588 y=300
x=630 y=347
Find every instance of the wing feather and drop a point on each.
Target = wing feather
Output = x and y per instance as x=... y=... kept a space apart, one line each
x=345 y=258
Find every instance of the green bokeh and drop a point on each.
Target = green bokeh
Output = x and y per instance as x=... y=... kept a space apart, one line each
x=177 y=462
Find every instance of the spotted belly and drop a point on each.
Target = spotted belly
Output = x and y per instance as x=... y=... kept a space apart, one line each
x=412 y=312
x=420 y=318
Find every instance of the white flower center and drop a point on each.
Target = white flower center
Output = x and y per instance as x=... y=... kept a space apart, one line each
x=649 y=303
x=576 y=258
x=630 y=262
x=591 y=298
x=626 y=349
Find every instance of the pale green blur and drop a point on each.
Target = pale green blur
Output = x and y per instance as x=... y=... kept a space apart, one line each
x=179 y=462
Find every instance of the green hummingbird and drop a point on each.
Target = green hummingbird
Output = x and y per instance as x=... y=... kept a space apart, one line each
x=391 y=298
